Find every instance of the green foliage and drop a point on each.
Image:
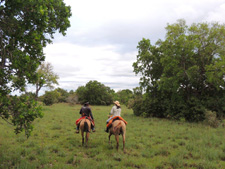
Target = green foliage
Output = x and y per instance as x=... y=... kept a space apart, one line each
x=22 y=111
x=51 y=97
x=211 y=119
x=137 y=106
x=95 y=93
x=184 y=75
x=123 y=96
x=58 y=95
x=26 y=28
x=63 y=95
x=45 y=77
x=29 y=94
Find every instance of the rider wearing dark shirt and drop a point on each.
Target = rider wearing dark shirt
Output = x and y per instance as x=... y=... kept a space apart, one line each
x=86 y=111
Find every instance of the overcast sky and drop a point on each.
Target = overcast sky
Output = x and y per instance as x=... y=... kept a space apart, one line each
x=101 y=43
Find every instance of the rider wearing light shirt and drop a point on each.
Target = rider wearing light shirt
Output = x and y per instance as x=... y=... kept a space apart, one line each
x=115 y=111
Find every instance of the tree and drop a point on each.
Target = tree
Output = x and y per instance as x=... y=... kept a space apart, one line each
x=25 y=29
x=96 y=93
x=63 y=95
x=72 y=99
x=46 y=77
x=81 y=93
x=184 y=75
x=51 y=97
x=124 y=95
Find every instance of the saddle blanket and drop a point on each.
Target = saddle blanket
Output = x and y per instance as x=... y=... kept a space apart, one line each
x=115 y=118
x=89 y=118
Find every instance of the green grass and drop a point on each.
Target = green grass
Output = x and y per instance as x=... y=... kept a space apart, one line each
x=150 y=143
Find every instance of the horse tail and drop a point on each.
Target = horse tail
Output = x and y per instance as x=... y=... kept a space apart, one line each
x=86 y=127
x=121 y=130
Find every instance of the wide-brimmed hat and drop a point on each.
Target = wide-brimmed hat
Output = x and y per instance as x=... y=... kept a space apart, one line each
x=86 y=104
x=117 y=103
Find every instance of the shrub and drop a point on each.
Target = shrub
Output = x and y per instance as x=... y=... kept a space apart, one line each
x=130 y=103
x=51 y=97
x=72 y=99
x=29 y=94
x=137 y=106
x=211 y=119
x=63 y=95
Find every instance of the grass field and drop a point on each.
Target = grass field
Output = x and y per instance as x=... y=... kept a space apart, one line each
x=150 y=143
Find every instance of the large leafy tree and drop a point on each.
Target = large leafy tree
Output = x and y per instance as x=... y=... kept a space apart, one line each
x=96 y=93
x=46 y=77
x=184 y=75
x=25 y=28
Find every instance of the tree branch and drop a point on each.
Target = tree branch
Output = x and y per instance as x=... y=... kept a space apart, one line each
x=7 y=121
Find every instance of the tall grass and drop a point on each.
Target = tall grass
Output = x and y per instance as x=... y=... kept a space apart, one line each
x=150 y=143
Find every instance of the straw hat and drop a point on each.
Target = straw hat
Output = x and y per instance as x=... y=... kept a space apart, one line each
x=117 y=103
x=86 y=104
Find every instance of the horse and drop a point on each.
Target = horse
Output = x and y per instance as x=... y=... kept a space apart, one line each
x=118 y=127
x=85 y=126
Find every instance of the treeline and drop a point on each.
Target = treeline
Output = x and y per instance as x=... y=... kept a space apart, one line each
x=183 y=76
x=94 y=92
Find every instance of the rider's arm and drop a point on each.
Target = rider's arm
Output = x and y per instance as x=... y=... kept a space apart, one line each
x=81 y=111
x=91 y=114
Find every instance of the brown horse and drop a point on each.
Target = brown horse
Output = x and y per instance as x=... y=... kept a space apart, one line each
x=118 y=127
x=85 y=126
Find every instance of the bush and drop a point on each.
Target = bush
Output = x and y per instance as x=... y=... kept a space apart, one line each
x=138 y=106
x=72 y=99
x=130 y=103
x=63 y=95
x=51 y=97
x=30 y=95
x=211 y=119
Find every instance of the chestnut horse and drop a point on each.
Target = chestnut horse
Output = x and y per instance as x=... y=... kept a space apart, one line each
x=118 y=127
x=85 y=126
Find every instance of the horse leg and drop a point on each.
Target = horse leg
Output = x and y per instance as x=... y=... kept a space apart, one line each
x=87 y=136
x=117 y=141
x=124 y=142
x=82 y=134
x=109 y=138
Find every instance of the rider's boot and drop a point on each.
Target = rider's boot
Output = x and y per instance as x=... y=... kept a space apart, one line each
x=77 y=130
x=107 y=130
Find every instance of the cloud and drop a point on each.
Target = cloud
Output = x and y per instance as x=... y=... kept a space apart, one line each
x=101 y=42
x=76 y=65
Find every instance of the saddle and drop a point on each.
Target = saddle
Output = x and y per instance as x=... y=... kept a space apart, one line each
x=85 y=117
x=114 y=119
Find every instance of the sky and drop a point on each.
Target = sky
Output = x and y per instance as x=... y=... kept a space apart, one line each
x=101 y=43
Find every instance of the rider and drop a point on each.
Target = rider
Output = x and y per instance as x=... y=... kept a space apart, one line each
x=86 y=111
x=115 y=111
